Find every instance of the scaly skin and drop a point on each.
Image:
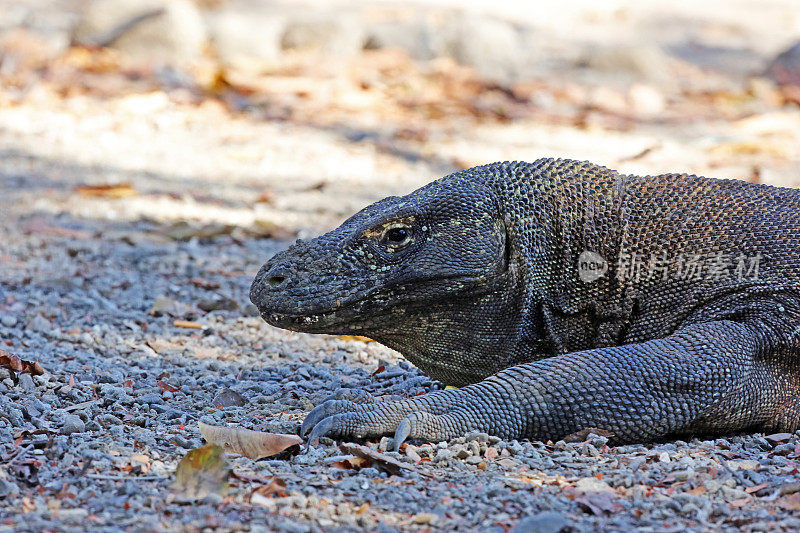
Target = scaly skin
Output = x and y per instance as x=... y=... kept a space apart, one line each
x=481 y=280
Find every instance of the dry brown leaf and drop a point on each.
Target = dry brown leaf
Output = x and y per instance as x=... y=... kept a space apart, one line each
x=142 y=462
x=251 y=444
x=201 y=472
x=355 y=463
x=357 y=338
x=187 y=324
x=204 y=283
x=275 y=486
x=791 y=502
x=741 y=502
x=755 y=488
x=266 y=229
x=161 y=346
x=68 y=387
x=163 y=385
x=16 y=364
x=120 y=190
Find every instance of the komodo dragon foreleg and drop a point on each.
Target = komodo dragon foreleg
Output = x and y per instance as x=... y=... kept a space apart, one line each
x=707 y=377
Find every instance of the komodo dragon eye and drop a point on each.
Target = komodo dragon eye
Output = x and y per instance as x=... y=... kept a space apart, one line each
x=396 y=237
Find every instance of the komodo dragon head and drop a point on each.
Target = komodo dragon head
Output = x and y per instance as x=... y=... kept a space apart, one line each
x=431 y=274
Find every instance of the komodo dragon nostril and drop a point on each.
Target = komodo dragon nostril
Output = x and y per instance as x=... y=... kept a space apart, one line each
x=276 y=276
x=276 y=281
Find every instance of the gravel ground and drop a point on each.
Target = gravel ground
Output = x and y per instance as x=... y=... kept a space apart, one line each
x=94 y=284
x=95 y=440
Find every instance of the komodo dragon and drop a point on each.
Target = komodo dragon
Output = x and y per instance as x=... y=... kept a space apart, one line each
x=560 y=295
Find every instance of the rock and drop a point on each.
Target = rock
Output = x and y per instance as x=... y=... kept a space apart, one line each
x=167 y=30
x=646 y=100
x=495 y=48
x=164 y=305
x=598 y=441
x=638 y=61
x=412 y=454
x=246 y=39
x=462 y=452
x=424 y=518
x=386 y=443
x=26 y=382
x=39 y=324
x=592 y=484
x=7 y=488
x=443 y=454
x=331 y=33
x=733 y=493
x=607 y=99
x=491 y=46
x=8 y=321
x=477 y=436
x=150 y=397
x=415 y=36
x=474 y=447
x=220 y=303
x=72 y=424
x=682 y=475
x=229 y=398
x=545 y=522
x=785 y=68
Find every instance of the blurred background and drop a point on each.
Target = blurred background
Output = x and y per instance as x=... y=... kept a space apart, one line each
x=273 y=119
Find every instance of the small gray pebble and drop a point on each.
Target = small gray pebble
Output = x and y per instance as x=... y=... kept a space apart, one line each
x=26 y=382
x=229 y=398
x=72 y=424
x=150 y=397
x=477 y=436
x=545 y=522
x=442 y=455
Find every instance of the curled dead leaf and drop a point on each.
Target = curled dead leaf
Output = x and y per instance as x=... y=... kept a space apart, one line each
x=353 y=463
x=791 y=502
x=187 y=324
x=251 y=444
x=275 y=486
x=355 y=338
x=16 y=364
x=120 y=190
x=163 y=385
